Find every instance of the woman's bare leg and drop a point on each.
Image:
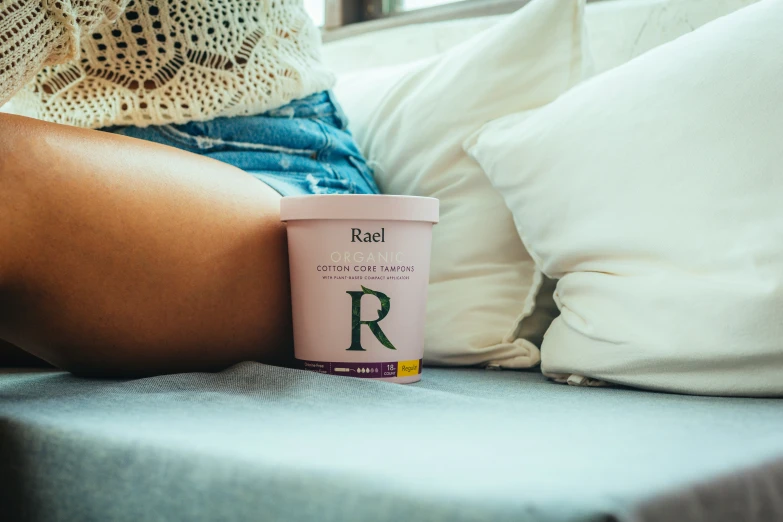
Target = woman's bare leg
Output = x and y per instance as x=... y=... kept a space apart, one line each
x=122 y=257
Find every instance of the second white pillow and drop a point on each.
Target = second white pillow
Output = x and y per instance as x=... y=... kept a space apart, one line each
x=483 y=288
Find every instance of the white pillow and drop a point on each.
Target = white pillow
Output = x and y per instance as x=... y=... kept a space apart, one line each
x=655 y=191
x=483 y=282
x=404 y=44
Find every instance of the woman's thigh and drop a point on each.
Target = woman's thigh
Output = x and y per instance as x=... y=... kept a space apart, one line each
x=120 y=256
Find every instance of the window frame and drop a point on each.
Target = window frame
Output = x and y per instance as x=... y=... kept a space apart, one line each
x=344 y=18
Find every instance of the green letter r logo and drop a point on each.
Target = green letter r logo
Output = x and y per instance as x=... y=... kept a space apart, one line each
x=356 y=319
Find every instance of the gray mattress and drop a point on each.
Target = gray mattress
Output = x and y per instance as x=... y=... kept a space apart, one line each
x=263 y=443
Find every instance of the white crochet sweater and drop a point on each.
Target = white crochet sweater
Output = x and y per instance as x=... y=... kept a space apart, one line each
x=93 y=63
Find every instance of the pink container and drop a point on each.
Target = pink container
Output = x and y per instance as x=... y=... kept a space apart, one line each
x=360 y=265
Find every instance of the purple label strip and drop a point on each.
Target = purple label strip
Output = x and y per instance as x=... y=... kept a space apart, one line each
x=369 y=370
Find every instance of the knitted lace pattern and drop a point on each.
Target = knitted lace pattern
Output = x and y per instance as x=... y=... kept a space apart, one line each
x=93 y=63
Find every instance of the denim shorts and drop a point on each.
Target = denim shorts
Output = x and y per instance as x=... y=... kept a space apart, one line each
x=301 y=148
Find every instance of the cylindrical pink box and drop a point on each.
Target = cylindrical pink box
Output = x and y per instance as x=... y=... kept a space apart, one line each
x=360 y=266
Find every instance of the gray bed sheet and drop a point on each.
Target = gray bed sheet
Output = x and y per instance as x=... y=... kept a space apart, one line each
x=262 y=443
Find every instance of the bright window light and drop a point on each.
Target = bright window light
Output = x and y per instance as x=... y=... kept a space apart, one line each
x=316 y=10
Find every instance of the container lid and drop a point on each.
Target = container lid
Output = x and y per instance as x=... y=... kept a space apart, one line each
x=359 y=206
